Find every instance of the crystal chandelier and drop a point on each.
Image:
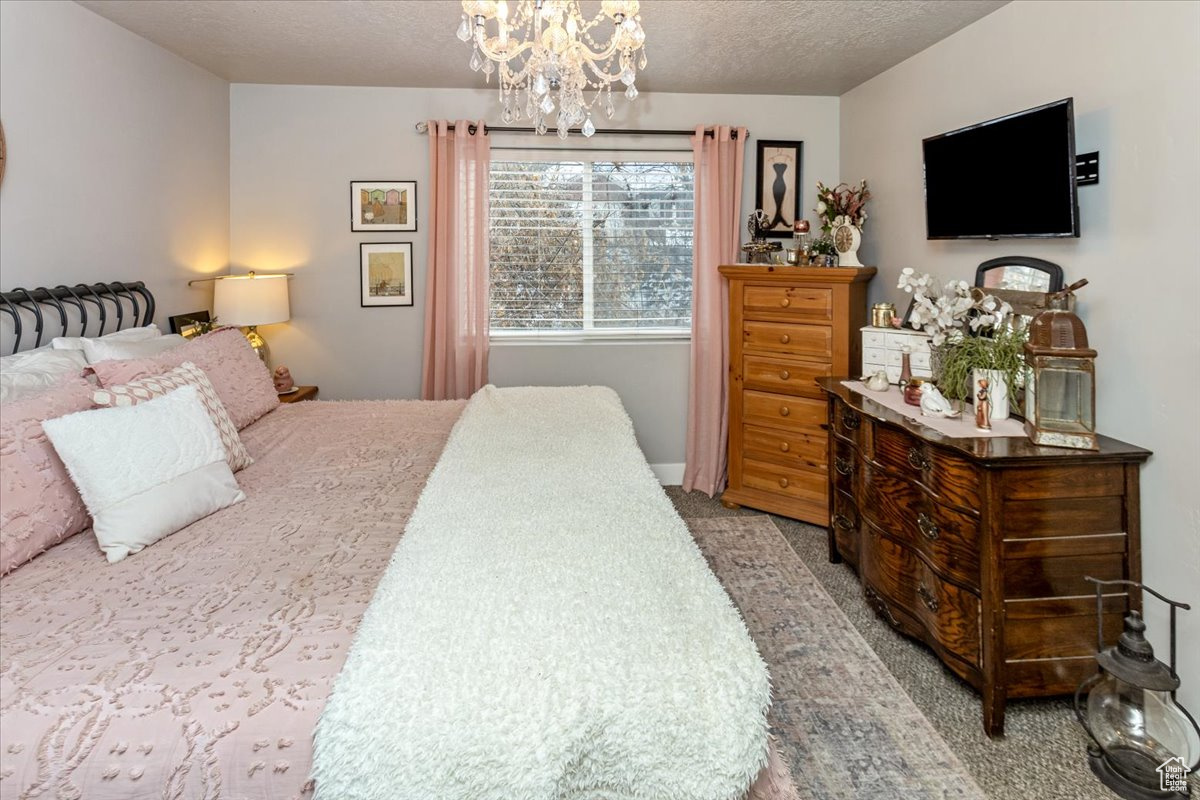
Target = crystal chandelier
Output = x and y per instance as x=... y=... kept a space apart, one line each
x=547 y=47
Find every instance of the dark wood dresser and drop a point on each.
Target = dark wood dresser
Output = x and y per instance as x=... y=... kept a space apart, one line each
x=979 y=546
x=787 y=327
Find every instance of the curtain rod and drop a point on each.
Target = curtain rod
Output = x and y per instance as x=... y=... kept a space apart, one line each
x=423 y=127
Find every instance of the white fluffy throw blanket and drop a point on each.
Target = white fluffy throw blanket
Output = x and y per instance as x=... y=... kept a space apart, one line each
x=546 y=629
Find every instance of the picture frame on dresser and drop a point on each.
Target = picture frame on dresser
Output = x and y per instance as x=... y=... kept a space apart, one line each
x=383 y=206
x=385 y=274
x=778 y=184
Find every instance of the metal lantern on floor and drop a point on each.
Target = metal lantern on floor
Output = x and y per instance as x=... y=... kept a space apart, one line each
x=1060 y=388
x=1144 y=744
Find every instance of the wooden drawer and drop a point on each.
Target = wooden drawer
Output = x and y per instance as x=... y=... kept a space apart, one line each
x=876 y=337
x=845 y=462
x=949 y=539
x=783 y=375
x=848 y=422
x=798 y=301
x=783 y=411
x=845 y=525
x=949 y=478
x=814 y=341
x=808 y=485
x=950 y=615
x=801 y=449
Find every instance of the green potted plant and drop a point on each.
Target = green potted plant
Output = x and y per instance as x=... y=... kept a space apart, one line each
x=970 y=332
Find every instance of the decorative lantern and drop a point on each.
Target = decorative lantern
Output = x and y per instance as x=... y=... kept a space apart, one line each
x=1060 y=387
x=1144 y=744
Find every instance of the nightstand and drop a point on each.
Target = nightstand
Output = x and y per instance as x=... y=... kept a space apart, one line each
x=301 y=394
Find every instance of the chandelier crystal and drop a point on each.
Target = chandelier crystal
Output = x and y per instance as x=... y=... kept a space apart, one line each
x=546 y=49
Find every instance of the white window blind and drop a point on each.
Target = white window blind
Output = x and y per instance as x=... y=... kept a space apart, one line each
x=591 y=244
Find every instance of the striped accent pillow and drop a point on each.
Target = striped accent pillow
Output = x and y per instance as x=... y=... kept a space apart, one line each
x=187 y=374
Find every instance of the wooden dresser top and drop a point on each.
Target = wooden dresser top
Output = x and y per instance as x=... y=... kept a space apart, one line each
x=986 y=449
x=774 y=272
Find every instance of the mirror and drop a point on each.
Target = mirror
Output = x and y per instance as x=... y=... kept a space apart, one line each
x=1019 y=274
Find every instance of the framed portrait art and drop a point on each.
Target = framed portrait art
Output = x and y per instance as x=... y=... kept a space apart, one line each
x=777 y=186
x=383 y=205
x=386 y=274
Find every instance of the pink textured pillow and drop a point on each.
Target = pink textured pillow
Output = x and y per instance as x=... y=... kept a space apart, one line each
x=242 y=381
x=39 y=505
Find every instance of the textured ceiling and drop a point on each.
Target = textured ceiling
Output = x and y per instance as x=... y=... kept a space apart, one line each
x=819 y=47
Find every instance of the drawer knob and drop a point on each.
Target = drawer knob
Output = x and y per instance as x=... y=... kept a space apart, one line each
x=783 y=483
x=784 y=339
x=784 y=446
x=785 y=302
x=849 y=420
x=929 y=528
x=843 y=522
x=917 y=459
x=881 y=608
x=843 y=465
x=784 y=374
x=784 y=411
x=927 y=598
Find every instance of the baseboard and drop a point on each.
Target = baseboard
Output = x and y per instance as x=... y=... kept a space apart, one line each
x=668 y=474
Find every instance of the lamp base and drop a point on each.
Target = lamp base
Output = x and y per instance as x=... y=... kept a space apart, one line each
x=1123 y=786
x=259 y=344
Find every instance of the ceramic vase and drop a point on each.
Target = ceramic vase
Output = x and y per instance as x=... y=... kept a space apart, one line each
x=997 y=389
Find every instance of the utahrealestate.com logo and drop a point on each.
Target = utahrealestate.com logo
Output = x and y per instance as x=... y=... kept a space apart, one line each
x=1172 y=775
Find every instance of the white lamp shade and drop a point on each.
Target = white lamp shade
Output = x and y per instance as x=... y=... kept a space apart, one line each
x=251 y=300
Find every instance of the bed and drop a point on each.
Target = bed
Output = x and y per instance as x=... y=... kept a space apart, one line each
x=199 y=667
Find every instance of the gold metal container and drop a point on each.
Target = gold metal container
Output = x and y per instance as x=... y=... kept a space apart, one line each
x=881 y=315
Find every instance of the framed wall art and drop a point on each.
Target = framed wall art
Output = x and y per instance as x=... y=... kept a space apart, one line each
x=383 y=205
x=385 y=274
x=777 y=186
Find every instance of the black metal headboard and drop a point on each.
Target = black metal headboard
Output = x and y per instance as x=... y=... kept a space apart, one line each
x=87 y=308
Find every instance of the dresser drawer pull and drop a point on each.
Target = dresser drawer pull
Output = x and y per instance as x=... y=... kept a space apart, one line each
x=783 y=483
x=843 y=465
x=843 y=522
x=917 y=459
x=784 y=411
x=881 y=608
x=928 y=527
x=927 y=598
x=849 y=420
x=784 y=374
x=785 y=302
x=784 y=446
x=784 y=339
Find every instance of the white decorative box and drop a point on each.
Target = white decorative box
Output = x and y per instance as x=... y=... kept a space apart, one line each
x=883 y=348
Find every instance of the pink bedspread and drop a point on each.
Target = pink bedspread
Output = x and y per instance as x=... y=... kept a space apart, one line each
x=198 y=667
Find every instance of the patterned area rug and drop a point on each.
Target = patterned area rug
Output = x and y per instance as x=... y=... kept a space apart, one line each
x=843 y=723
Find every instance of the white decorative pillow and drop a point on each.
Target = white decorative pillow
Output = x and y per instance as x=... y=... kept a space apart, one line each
x=186 y=374
x=108 y=349
x=145 y=471
x=32 y=371
x=142 y=334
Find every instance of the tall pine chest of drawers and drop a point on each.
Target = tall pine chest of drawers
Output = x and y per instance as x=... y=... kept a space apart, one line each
x=788 y=326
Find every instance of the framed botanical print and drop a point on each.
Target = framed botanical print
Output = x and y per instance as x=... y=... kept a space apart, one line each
x=385 y=274
x=777 y=186
x=383 y=205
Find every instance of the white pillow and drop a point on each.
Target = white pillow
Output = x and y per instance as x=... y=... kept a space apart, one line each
x=150 y=331
x=145 y=471
x=27 y=373
x=107 y=349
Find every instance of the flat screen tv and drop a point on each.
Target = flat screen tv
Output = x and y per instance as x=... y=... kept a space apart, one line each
x=1009 y=177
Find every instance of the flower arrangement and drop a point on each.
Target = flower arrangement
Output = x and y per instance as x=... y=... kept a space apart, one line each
x=842 y=200
x=968 y=331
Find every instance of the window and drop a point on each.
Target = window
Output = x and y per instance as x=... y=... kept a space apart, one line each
x=591 y=245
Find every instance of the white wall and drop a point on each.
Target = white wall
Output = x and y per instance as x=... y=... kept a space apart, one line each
x=294 y=151
x=118 y=157
x=1134 y=71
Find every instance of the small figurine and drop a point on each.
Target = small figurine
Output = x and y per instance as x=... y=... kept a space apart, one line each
x=934 y=403
x=983 y=406
x=878 y=382
x=283 y=380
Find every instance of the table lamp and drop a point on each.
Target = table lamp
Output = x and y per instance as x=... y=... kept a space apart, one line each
x=249 y=301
